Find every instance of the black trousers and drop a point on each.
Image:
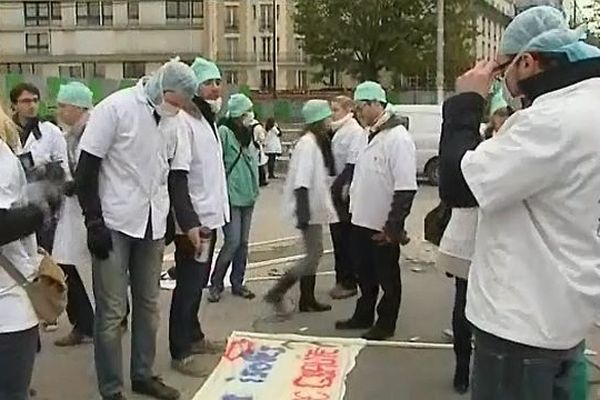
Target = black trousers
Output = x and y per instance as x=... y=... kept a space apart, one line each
x=45 y=235
x=378 y=267
x=79 y=307
x=505 y=370
x=262 y=175
x=460 y=325
x=345 y=270
x=192 y=278
x=271 y=164
x=17 y=356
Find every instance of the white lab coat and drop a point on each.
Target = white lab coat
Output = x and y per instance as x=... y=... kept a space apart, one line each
x=51 y=146
x=387 y=164
x=535 y=274
x=135 y=154
x=17 y=311
x=199 y=152
x=307 y=169
x=273 y=141
x=347 y=142
x=260 y=135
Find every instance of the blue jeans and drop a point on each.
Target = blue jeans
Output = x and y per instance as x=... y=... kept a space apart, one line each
x=234 y=250
x=138 y=263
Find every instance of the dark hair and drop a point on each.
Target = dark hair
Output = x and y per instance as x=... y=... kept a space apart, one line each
x=270 y=124
x=551 y=60
x=18 y=90
x=321 y=131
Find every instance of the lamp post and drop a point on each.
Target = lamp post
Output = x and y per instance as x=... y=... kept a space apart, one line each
x=440 y=52
x=274 y=49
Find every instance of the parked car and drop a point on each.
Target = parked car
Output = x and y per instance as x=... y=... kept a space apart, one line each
x=424 y=123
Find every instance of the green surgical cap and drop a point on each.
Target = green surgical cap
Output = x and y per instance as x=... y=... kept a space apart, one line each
x=238 y=105
x=75 y=94
x=544 y=29
x=205 y=70
x=370 y=91
x=315 y=111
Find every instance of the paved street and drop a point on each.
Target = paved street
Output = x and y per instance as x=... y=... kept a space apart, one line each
x=381 y=373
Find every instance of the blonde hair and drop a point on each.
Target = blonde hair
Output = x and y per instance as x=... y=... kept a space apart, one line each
x=9 y=132
x=345 y=102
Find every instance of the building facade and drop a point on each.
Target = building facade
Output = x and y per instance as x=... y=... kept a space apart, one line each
x=127 y=39
x=492 y=18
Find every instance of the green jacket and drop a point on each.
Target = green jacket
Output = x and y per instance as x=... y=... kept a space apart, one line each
x=242 y=178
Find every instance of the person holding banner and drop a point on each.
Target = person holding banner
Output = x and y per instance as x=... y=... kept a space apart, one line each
x=307 y=200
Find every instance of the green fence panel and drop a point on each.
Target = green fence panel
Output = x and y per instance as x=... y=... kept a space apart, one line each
x=282 y=110
x=97 y=87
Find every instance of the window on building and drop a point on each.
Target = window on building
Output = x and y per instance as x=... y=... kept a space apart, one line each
x=278 y=12
x=42 y=13
x=17 y=68
x=301 y=79
x=231 y=18
x=94 y=13
x=254 y=11
x=232 y=45
x=266 y=80
x=133 y=11
x=266 y=17
x=266 y=53
x=94 y=70
x=254 y=45
x=134 y=70
x=37 y=43
x=185 y=11
x=231 y=78
x=71 y=71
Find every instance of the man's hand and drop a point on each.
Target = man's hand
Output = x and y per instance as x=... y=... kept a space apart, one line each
x=194 y=237
x=478 y=80
x=381 y=239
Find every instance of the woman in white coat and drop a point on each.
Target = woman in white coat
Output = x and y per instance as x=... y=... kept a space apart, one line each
x=272 y=146
x=307 y=199
x=70 y=247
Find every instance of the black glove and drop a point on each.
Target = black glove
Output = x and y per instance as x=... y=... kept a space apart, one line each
x=99 y=239
x=69 y=188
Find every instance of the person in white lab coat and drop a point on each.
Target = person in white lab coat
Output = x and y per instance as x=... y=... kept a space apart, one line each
x=381 y=196
x=348 y=139
x=272 y=146
x=42 y=139
x=125 y=202
x=19 y=219
x=198 y=173
x=259 y=135
x=534 y=281
x=307 y=200
x=70 y=249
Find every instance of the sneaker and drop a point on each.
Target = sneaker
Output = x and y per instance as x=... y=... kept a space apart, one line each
x=117 y=396
x=190 y=366
x=73 y=339
x=339 y=292
x=243 y=292
x=49 y=327
x=214 y=295
x=155 y=387
x=205 y=346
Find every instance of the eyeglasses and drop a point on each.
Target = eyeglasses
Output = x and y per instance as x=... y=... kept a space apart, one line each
x=33 y=100
x=500 y=70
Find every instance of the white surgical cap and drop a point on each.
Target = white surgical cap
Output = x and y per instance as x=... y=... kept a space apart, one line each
x=175 y=76
x=544 y=29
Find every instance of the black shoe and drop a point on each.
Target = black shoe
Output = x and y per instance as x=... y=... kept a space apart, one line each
x=275 y=294
x=461 y=378
x=308 y=303
x=351 y=324
x=243 y=292
x=377 y=333
x=118 y=396
x=155 y=387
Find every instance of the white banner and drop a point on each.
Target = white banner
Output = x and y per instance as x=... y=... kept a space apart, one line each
x=282 y=367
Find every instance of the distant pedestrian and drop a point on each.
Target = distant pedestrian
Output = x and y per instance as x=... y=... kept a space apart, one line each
x=273 y=147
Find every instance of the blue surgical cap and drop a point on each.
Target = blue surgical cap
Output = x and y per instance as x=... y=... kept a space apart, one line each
x=75 y=94
x=544 y=29
x=173 y=76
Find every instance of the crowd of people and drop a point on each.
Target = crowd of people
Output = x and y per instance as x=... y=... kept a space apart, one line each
x=522 y=242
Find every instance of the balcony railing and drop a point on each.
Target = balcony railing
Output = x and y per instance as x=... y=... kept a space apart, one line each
x=260 y=57
x=232 y=27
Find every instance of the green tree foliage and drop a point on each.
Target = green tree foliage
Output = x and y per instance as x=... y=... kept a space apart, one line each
x=365 y=37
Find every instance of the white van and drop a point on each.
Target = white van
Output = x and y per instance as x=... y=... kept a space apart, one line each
x=424 y=122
